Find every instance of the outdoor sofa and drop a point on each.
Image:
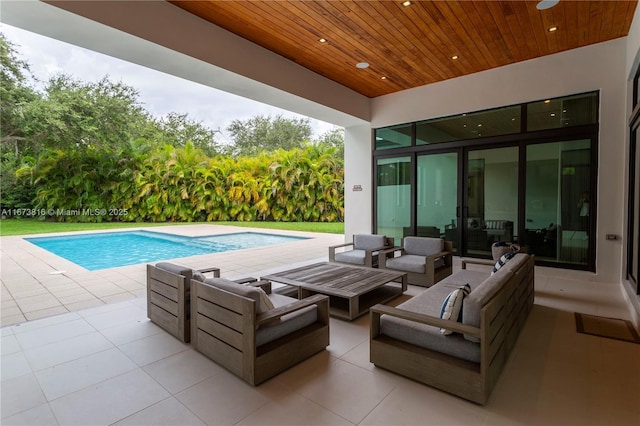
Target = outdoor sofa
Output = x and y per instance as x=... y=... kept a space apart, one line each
x=407 y=339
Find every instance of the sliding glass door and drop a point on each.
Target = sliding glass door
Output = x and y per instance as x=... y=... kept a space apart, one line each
x=393 y=195
x=437 y=197
x=490 y=210
x=558 y=207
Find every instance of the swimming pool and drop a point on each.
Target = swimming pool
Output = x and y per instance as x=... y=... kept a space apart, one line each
x=113 y=249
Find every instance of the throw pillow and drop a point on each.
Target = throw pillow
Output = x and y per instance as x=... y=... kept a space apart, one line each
x=452 y=306
x=502 y=261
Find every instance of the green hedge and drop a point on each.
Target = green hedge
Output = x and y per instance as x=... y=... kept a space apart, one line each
x=183 y=184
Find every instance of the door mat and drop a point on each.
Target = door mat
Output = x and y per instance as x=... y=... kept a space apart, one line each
x=610 y=328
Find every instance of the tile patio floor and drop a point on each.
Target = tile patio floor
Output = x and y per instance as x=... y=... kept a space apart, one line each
x=109 y=365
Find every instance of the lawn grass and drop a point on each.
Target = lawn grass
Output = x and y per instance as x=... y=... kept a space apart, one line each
x=34 y=226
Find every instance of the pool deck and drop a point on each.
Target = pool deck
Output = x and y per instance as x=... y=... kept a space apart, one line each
x=37 y=283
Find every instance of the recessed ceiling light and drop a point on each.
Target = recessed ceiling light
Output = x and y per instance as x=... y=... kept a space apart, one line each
x=548 y=101
x=454 y=57
x=383 y=78
x=546 y=4
x=362 y=65
x=553 y=114
x=406 y=3
x=552 y=29
x=322 y=40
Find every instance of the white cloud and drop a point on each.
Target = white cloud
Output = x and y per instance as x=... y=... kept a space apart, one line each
x=160 y=93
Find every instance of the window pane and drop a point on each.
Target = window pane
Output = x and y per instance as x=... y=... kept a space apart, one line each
x=558 y=202
x=393 y=137
x=500 y=121
x=393 y=196
x=562 y=112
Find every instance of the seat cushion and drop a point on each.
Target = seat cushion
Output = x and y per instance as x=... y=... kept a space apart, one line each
x=355 y=257
x=429 y=302
x=263 y=303
x=411 y=263
x=368 y=242
x=423 y=246
x=287 y=323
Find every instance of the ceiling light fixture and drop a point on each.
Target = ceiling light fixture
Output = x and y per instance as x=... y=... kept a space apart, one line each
x=362 y=65
x=546 y=4
x=383 y=78
x=552 y=29
x=406 y=3
x=548 y=101
x=454 y=57
x=322 y=40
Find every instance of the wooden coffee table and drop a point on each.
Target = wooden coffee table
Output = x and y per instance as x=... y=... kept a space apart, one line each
x=352 y=290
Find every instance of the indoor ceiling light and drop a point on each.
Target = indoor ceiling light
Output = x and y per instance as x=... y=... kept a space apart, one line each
x=322 y=40
x=362 y=65
x=546 y=4
x=454 y=57
x=383 y=78
x=406 y=3
x=552 y=29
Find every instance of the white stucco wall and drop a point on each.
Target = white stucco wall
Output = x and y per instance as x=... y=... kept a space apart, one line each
x=597 y=67
x=633 y=61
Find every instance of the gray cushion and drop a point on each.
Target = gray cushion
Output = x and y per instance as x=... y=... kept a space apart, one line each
x=479 y=297
x=355 y=257
x=180 y=270
x=263 y=303
x=411 y=263
x=423 y=246
x=287 y=323
x=368 y=242
x=429 y=302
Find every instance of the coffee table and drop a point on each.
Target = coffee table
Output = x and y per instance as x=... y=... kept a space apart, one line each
x=352 y=290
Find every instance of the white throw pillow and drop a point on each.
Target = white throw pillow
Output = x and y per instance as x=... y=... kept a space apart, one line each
x=452 y=306
x=501 y=262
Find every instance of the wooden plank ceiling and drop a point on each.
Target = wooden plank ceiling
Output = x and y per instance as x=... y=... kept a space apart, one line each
x=410 y=46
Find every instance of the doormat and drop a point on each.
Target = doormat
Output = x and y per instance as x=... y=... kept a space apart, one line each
x=610 y=328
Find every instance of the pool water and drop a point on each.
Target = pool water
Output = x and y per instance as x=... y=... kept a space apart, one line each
x=113 y=249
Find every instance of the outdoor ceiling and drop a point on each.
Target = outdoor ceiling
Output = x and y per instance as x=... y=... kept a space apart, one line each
x=414 y=45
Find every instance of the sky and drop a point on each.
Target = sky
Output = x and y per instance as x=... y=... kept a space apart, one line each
x=159 y=93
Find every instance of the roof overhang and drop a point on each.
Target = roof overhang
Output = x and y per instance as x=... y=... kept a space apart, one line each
x=163 y=37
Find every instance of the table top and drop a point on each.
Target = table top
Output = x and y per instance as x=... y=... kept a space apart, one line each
x=335 y=278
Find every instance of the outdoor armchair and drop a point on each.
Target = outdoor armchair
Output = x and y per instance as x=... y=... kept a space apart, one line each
x=426 y=260
x=168 y=295
x=364 y=252
x=253 y=333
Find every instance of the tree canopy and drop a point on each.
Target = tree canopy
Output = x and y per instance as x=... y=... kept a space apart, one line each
x=93 y=145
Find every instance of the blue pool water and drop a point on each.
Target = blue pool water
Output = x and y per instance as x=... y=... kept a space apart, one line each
x=113 y=249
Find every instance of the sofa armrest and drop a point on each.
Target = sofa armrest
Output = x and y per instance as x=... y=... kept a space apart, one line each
x=216 y=271
x=484 y=262
x=321 y=301
x=378 y=310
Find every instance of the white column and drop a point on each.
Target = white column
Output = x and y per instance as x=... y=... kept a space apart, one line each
x=358 y=180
